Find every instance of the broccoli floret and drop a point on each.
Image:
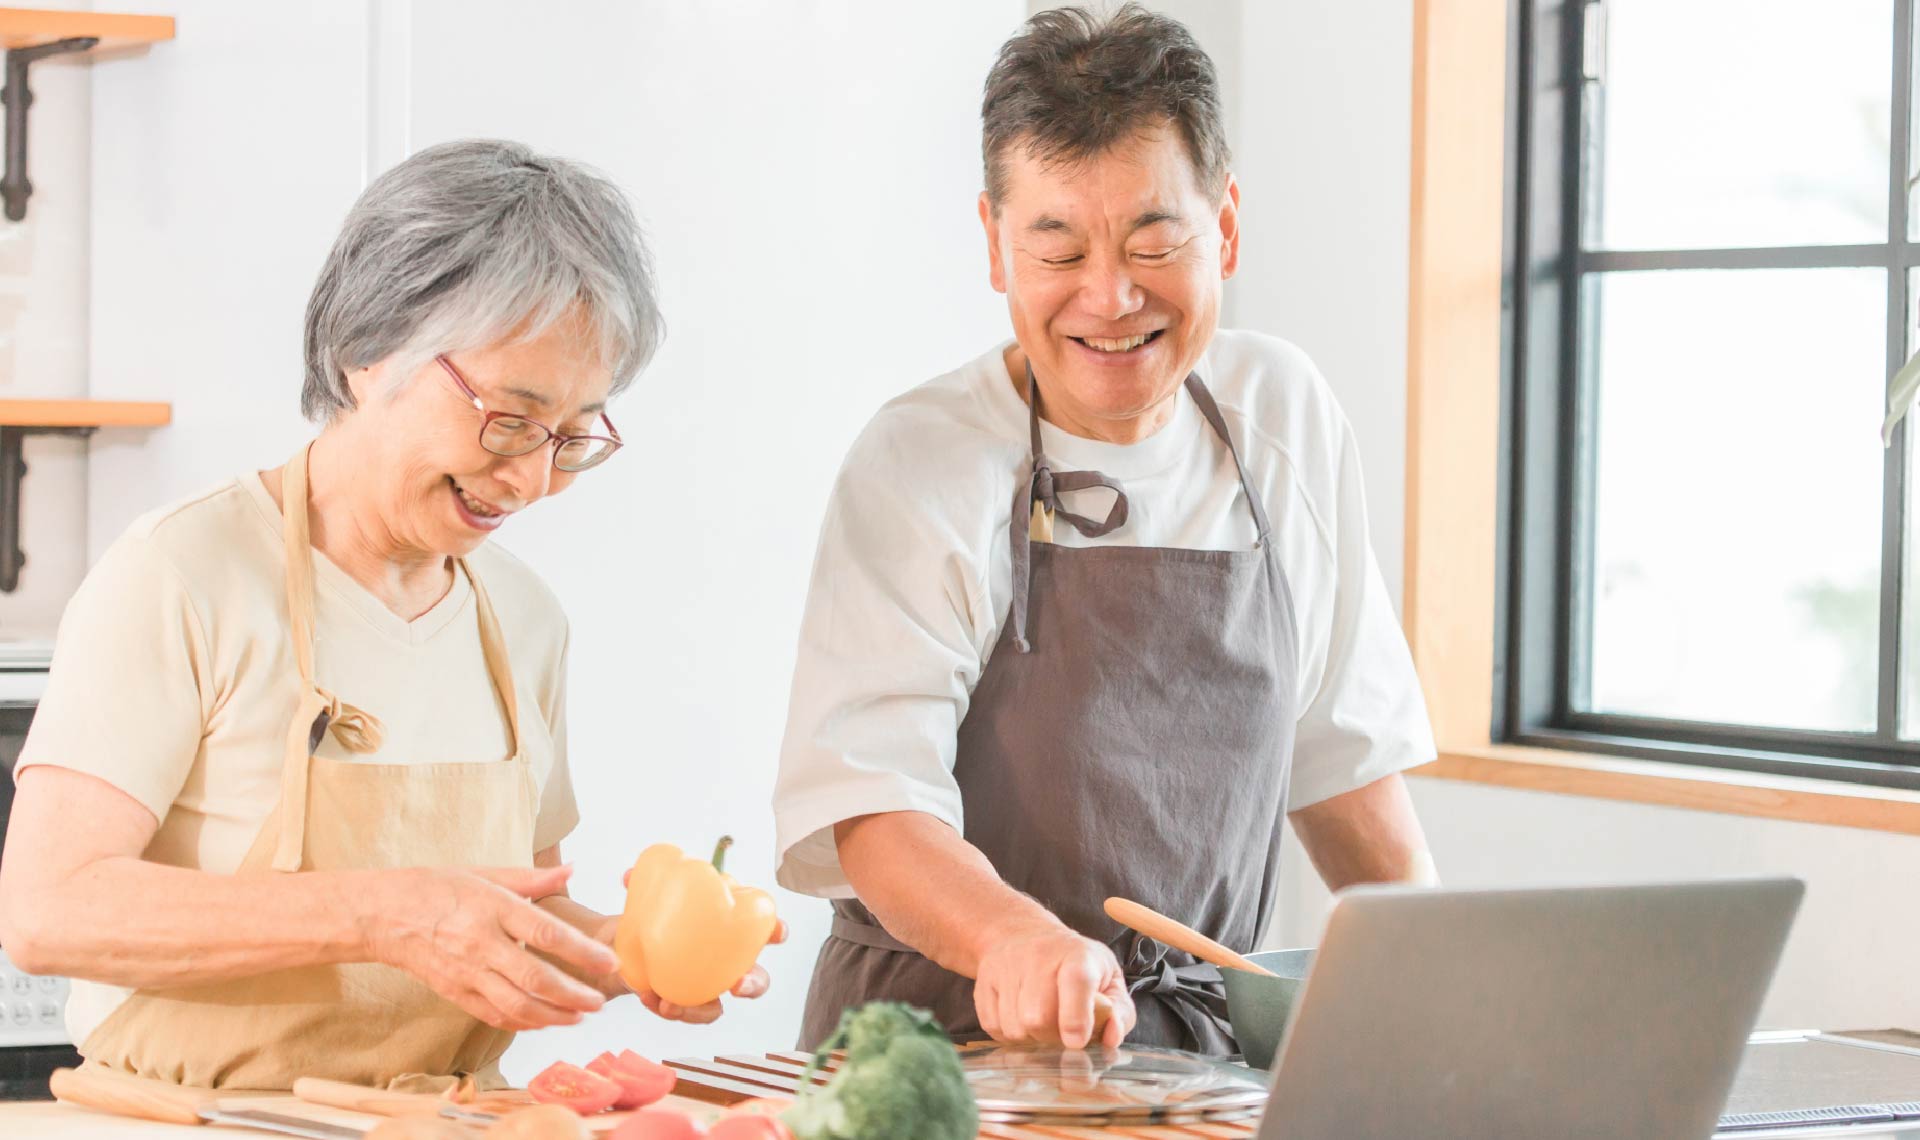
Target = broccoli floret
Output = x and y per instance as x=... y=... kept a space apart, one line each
x=901 y=1078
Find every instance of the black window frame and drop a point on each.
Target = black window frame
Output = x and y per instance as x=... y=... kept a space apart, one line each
x=1546 y=429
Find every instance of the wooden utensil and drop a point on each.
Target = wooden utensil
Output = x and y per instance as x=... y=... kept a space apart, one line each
x=1178 y=935
x=360 y=1098
x=123 y=1094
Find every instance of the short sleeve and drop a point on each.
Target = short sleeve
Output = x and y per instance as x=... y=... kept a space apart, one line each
x=1368 y=720
x=888 y=657
x=559 y=812
x=127 y=697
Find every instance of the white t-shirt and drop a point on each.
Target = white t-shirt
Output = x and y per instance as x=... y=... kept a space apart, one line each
x=913 y=581
x=173 y=679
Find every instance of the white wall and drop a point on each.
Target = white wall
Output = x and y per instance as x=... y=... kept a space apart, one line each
x=43 y=340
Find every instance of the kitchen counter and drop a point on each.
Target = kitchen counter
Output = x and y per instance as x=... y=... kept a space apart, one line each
x=51 y=1120
x=55 y=1121
x=48 y=1120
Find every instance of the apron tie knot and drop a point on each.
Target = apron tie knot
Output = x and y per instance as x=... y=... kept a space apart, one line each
x=1043 y=486
x=356 y=729
x=1192 y=992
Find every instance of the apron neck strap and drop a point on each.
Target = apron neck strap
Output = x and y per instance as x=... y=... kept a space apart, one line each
x=297 y=535
x=1044 y=486
x=493 y=646
x=318 y=711
x=1211 y=410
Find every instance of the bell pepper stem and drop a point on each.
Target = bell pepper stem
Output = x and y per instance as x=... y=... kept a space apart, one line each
x=720 y=853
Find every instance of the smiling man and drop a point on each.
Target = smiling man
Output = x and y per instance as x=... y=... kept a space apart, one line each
x=1096 y=612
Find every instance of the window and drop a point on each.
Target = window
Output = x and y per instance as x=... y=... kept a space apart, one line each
x=1711 y=277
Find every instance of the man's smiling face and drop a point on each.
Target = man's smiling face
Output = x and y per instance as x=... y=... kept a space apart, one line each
x=1113 y=268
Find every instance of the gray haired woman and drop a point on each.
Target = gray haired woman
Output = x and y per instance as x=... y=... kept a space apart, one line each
x=312 y=722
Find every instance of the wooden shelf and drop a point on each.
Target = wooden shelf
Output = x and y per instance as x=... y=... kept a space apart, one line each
x=27 y=27
x=83 y=414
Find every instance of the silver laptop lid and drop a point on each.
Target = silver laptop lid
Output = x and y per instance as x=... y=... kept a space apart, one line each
x=1608 y=1012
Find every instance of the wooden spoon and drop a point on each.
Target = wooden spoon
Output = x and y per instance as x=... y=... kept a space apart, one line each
x=1179 y=935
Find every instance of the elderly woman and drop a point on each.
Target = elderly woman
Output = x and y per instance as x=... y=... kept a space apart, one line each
x=312 y=721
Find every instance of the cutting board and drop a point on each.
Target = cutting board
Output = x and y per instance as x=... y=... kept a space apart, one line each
x=312 y=1097
x=731 y=1079
x=707 y=1087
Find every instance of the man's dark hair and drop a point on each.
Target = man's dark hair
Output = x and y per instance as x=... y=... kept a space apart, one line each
x=1074 y=85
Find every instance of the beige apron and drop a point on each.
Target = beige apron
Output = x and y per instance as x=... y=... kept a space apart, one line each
x=368 y=1024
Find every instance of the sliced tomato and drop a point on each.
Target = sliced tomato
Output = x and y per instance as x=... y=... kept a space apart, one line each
x=749 y=1127
x=574 y=1087
x=658 y=1124
x=641 y=1081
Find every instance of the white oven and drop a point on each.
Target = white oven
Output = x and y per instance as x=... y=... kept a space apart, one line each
x=33 y=1031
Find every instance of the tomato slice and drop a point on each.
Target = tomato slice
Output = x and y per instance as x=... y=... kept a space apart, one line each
x=641 y=1081
x=658 y=1124
x=574 y=1087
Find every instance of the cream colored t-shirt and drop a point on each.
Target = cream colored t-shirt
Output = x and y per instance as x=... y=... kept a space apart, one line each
x=173 y=680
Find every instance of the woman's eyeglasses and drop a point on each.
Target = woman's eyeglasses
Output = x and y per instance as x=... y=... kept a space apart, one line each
x=509 y=435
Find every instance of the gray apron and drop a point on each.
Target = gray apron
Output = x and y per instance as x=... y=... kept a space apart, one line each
x=1131 y=735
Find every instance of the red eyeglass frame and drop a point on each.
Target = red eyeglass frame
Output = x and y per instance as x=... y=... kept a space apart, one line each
x=558 y=439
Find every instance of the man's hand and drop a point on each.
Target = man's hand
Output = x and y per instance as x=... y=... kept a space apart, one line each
x=1038 y=982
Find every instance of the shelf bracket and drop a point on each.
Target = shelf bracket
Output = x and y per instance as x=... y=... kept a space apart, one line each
x=13 y=470
x=17 y=96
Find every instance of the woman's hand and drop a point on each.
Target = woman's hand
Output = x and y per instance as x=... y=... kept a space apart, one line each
x=753 y=985
x=471 y=936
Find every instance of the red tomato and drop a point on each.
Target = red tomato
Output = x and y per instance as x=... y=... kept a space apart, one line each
x=641 y=1081
x=574 y=1087
x=658 y=1124
x=750 y=1127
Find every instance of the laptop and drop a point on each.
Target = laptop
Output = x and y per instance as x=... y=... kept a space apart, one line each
x=1584 y=1013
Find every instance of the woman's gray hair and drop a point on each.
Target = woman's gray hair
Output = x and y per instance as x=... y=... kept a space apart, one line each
x=465 y=245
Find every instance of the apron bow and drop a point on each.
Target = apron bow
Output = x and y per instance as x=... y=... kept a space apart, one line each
x=356 y=729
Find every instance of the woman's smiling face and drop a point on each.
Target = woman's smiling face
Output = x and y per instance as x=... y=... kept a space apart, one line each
x=441 y=491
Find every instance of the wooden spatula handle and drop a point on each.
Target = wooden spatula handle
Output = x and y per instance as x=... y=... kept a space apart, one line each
x=360 y=1098
x=1178 y=935
x=126 y=1095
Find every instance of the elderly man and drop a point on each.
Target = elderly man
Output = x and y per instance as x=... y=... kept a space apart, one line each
x=1094 y=612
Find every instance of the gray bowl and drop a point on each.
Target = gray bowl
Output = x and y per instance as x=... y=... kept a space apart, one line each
x=1260 y=1006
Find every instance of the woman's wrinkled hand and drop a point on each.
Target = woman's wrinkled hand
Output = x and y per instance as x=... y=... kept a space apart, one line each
x=754 y=985
x=474 y=937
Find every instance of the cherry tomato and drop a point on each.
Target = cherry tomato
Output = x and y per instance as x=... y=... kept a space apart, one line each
x=574 y=1087
x=658 y=1124
x=641 y=1081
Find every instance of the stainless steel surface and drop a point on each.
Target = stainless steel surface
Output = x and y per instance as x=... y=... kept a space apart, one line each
x=285 y=1125
x=1132 y=1084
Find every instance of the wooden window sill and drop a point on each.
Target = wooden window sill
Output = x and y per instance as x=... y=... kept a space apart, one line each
x=1679 y=785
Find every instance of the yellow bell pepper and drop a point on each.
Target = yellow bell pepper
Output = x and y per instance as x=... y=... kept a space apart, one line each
x=689 y=931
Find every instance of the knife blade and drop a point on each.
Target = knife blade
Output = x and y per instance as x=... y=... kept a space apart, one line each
x=281 y=1123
